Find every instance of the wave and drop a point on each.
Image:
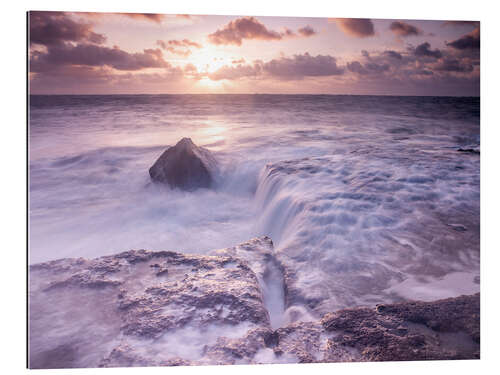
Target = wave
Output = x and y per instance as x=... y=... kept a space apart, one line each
x=348 y=229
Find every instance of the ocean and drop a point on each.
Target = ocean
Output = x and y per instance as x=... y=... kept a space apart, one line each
x=366 y=198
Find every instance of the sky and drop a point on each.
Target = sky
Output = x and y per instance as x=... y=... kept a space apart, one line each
x=136 y=53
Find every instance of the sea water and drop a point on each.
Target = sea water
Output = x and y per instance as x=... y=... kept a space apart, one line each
x=365 y=197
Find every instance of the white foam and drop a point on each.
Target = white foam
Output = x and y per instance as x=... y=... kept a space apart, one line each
x=452 y=284
x=188 y=342
x=267 y=356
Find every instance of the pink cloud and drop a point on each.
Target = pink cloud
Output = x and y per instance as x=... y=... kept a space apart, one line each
x=250 y=28
x=50 y=28
x=307 y=31
x=94 y=55
x=357 y=27
x=469 y=41
x=178 y=47
x=403 y=29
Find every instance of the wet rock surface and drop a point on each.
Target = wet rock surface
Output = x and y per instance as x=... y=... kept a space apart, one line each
x=184 y=166
x=473 y=149
x=145 y=308
x=445 y=329
x=125 y=309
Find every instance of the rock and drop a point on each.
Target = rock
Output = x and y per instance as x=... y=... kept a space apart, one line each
x=473 y=149
x=184 y=166
x=105 y=311
x=408 y=331
x=146 y=308
x=239 y=350
x=458 y=227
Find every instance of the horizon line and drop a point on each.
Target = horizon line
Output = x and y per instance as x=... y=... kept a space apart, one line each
x=256 y=94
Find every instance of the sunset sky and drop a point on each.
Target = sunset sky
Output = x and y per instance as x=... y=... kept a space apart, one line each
x=104 y=53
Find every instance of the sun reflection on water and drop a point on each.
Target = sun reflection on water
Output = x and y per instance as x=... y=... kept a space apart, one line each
x=213 y=132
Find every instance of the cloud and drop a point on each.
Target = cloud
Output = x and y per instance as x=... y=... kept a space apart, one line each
x=373 y=72
x=288 y=33
x=461 y=23
x=377 y=66
x=358 y=27
x=153 y=17
x=190 y=68
x=424 y=50
x=70 y=79
x=468 y=41
x=306 y=31
x=393 y=54
x=247 y=28
x=300 y=66
x=243 y=28
x=235 y=72
x=183 y=50
x=67 y=54
x=367 y=68
x=180 y=52
x=147 y=17
x=284 y=68
x=414 y=66
x=51 y=28
x=420 y=72
x=69 y=73
x=94 y=55
x=403 y=29
x=180 y=43
x=379 y=72
x=453 y=65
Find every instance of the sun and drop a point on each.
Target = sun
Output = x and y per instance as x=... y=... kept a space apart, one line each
x=209 y=59
x=209 y=83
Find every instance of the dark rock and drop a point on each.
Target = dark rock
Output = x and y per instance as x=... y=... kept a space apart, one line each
x=184 y=166
x=473 y=149
x=458 y=227
x=303 y=341
x=411 y=330
x=271 y=340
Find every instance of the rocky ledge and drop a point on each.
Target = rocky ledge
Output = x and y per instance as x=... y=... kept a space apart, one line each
x=145 y=308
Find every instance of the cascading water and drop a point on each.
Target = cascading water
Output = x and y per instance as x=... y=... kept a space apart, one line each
x=366 y=199
x=347 y=236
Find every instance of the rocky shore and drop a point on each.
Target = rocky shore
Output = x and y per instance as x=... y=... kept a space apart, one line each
x=145 y=308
